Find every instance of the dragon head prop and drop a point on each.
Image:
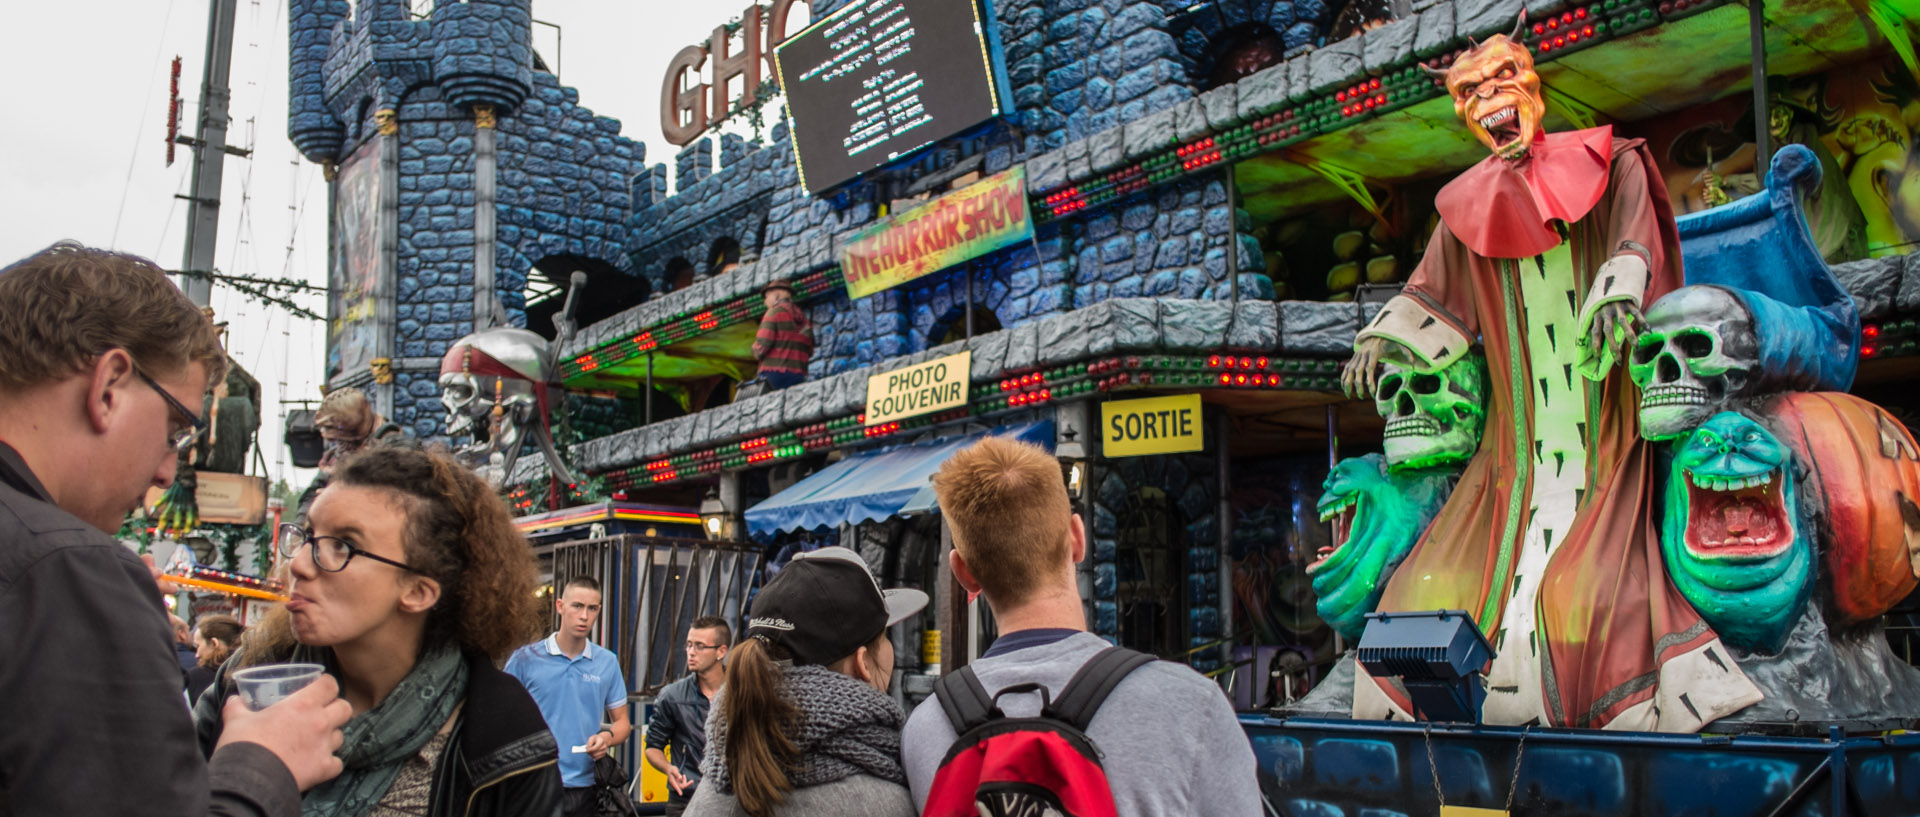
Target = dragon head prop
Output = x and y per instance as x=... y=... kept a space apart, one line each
x=1496 y=91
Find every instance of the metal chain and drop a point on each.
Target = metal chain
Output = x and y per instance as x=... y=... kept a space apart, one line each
x=1431 y=764
x=1518 y=753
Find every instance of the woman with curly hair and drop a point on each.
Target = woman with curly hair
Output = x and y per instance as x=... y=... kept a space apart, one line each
x=213 y=640
x=410 y=587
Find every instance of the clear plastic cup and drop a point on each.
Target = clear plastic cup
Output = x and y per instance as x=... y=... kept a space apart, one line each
x=263 y=686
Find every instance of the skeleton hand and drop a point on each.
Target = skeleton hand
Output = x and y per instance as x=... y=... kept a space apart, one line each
x=1362 y=374
x=1616 y=326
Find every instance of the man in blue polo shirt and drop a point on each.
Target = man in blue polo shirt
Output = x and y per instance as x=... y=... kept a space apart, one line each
x=578 y=686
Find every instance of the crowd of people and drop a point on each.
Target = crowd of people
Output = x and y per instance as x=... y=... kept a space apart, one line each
x=411 y=587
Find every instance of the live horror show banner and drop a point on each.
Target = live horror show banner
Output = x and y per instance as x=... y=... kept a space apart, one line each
x=1861 y=121
x=966 y=224
x=352 y=336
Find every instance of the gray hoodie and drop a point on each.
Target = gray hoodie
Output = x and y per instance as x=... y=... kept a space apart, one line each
x=1169 y=738
x=857 y=796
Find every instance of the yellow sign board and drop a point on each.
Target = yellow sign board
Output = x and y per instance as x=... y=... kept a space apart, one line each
x=965 y=224
x=932 y=386
x=1468 y=811
x=1155 y=425
x=929 y=646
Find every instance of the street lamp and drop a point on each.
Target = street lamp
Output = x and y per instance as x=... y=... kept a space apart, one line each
x=713 y=515
x=1074 y=455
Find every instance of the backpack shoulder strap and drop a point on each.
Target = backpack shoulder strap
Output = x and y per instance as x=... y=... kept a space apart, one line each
x=965 y=701
x=1083 y=695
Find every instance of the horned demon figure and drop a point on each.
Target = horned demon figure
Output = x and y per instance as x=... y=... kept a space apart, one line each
x=494 y=386
x=1545 y=253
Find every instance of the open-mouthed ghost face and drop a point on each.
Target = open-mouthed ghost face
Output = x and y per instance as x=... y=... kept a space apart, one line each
x=1376 y=516
x=1697 y=352
x=1731 y=534
x=1497 y=93
x=1432 y=418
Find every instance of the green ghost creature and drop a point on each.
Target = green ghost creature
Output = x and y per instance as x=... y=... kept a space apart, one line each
x=1380 y=504
x=1730 y=533
x=1377 y=515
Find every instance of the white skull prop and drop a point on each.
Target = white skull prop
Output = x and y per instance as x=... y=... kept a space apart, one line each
x=1698 y=351
x=1432 y=418
x=493 y=368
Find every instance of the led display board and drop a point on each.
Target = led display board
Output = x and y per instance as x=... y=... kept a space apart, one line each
x=879 y=79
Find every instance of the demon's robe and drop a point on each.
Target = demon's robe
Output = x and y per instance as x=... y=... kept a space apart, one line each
x=1551 y=540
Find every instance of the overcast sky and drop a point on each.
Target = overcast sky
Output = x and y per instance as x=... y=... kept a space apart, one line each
x=84 y=155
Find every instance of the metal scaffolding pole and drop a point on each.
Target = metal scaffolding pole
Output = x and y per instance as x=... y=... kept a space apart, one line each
x=209 y=154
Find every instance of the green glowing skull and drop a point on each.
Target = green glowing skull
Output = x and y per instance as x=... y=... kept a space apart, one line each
x=1731 y=534
x=1377 y=515
x=1432 y=419
x=1697 y=351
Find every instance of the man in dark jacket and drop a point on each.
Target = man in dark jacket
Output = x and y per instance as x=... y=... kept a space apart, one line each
x=99 y=358
x=679 y=718
x=183 y=645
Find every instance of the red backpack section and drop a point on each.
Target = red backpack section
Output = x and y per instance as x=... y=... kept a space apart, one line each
x=1045 y=765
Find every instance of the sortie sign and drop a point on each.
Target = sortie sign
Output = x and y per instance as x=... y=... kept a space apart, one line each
x=966 y=224
x=1155 y=425
x=935 y=385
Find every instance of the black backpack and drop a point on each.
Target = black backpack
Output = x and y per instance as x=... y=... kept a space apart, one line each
x=1045 y=765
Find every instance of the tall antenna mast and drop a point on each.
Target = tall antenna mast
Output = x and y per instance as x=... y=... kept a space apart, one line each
x=209 y=154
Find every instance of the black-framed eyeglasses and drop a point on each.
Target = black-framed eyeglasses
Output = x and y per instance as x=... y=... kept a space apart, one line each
x=695 y=646
x=177 y=440
x=330 y=553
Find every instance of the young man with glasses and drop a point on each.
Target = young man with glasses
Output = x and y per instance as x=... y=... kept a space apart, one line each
x=100 y=357
x=679 y=719
x=576 y=682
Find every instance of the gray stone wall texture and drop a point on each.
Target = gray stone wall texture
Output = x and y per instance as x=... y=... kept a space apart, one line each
x=564 y=177
x=1082 y=71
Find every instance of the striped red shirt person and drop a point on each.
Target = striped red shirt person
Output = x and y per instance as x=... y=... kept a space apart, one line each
x=784 y=343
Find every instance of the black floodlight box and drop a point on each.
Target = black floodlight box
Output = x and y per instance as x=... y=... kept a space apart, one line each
x=303 y=440
x=880 y=79
x=1436 y=654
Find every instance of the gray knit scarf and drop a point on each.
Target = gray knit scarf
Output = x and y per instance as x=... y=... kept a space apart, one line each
x=380 y=741
x=846 y=728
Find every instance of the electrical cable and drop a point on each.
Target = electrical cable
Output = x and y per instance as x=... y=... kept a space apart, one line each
x=127 y=185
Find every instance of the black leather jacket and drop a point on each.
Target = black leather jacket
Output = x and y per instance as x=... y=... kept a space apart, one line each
x=500 y=760
x=86 y=644
x=509 y=764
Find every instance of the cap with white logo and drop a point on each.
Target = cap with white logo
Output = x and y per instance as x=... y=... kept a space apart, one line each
x=825 y=604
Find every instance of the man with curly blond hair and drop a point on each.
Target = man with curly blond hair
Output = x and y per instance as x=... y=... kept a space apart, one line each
x=103 y=363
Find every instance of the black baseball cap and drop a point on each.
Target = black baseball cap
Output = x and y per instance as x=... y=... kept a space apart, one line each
x=825 y=604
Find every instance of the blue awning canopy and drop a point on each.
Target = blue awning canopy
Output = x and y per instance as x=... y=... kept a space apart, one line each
x=874 y=485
